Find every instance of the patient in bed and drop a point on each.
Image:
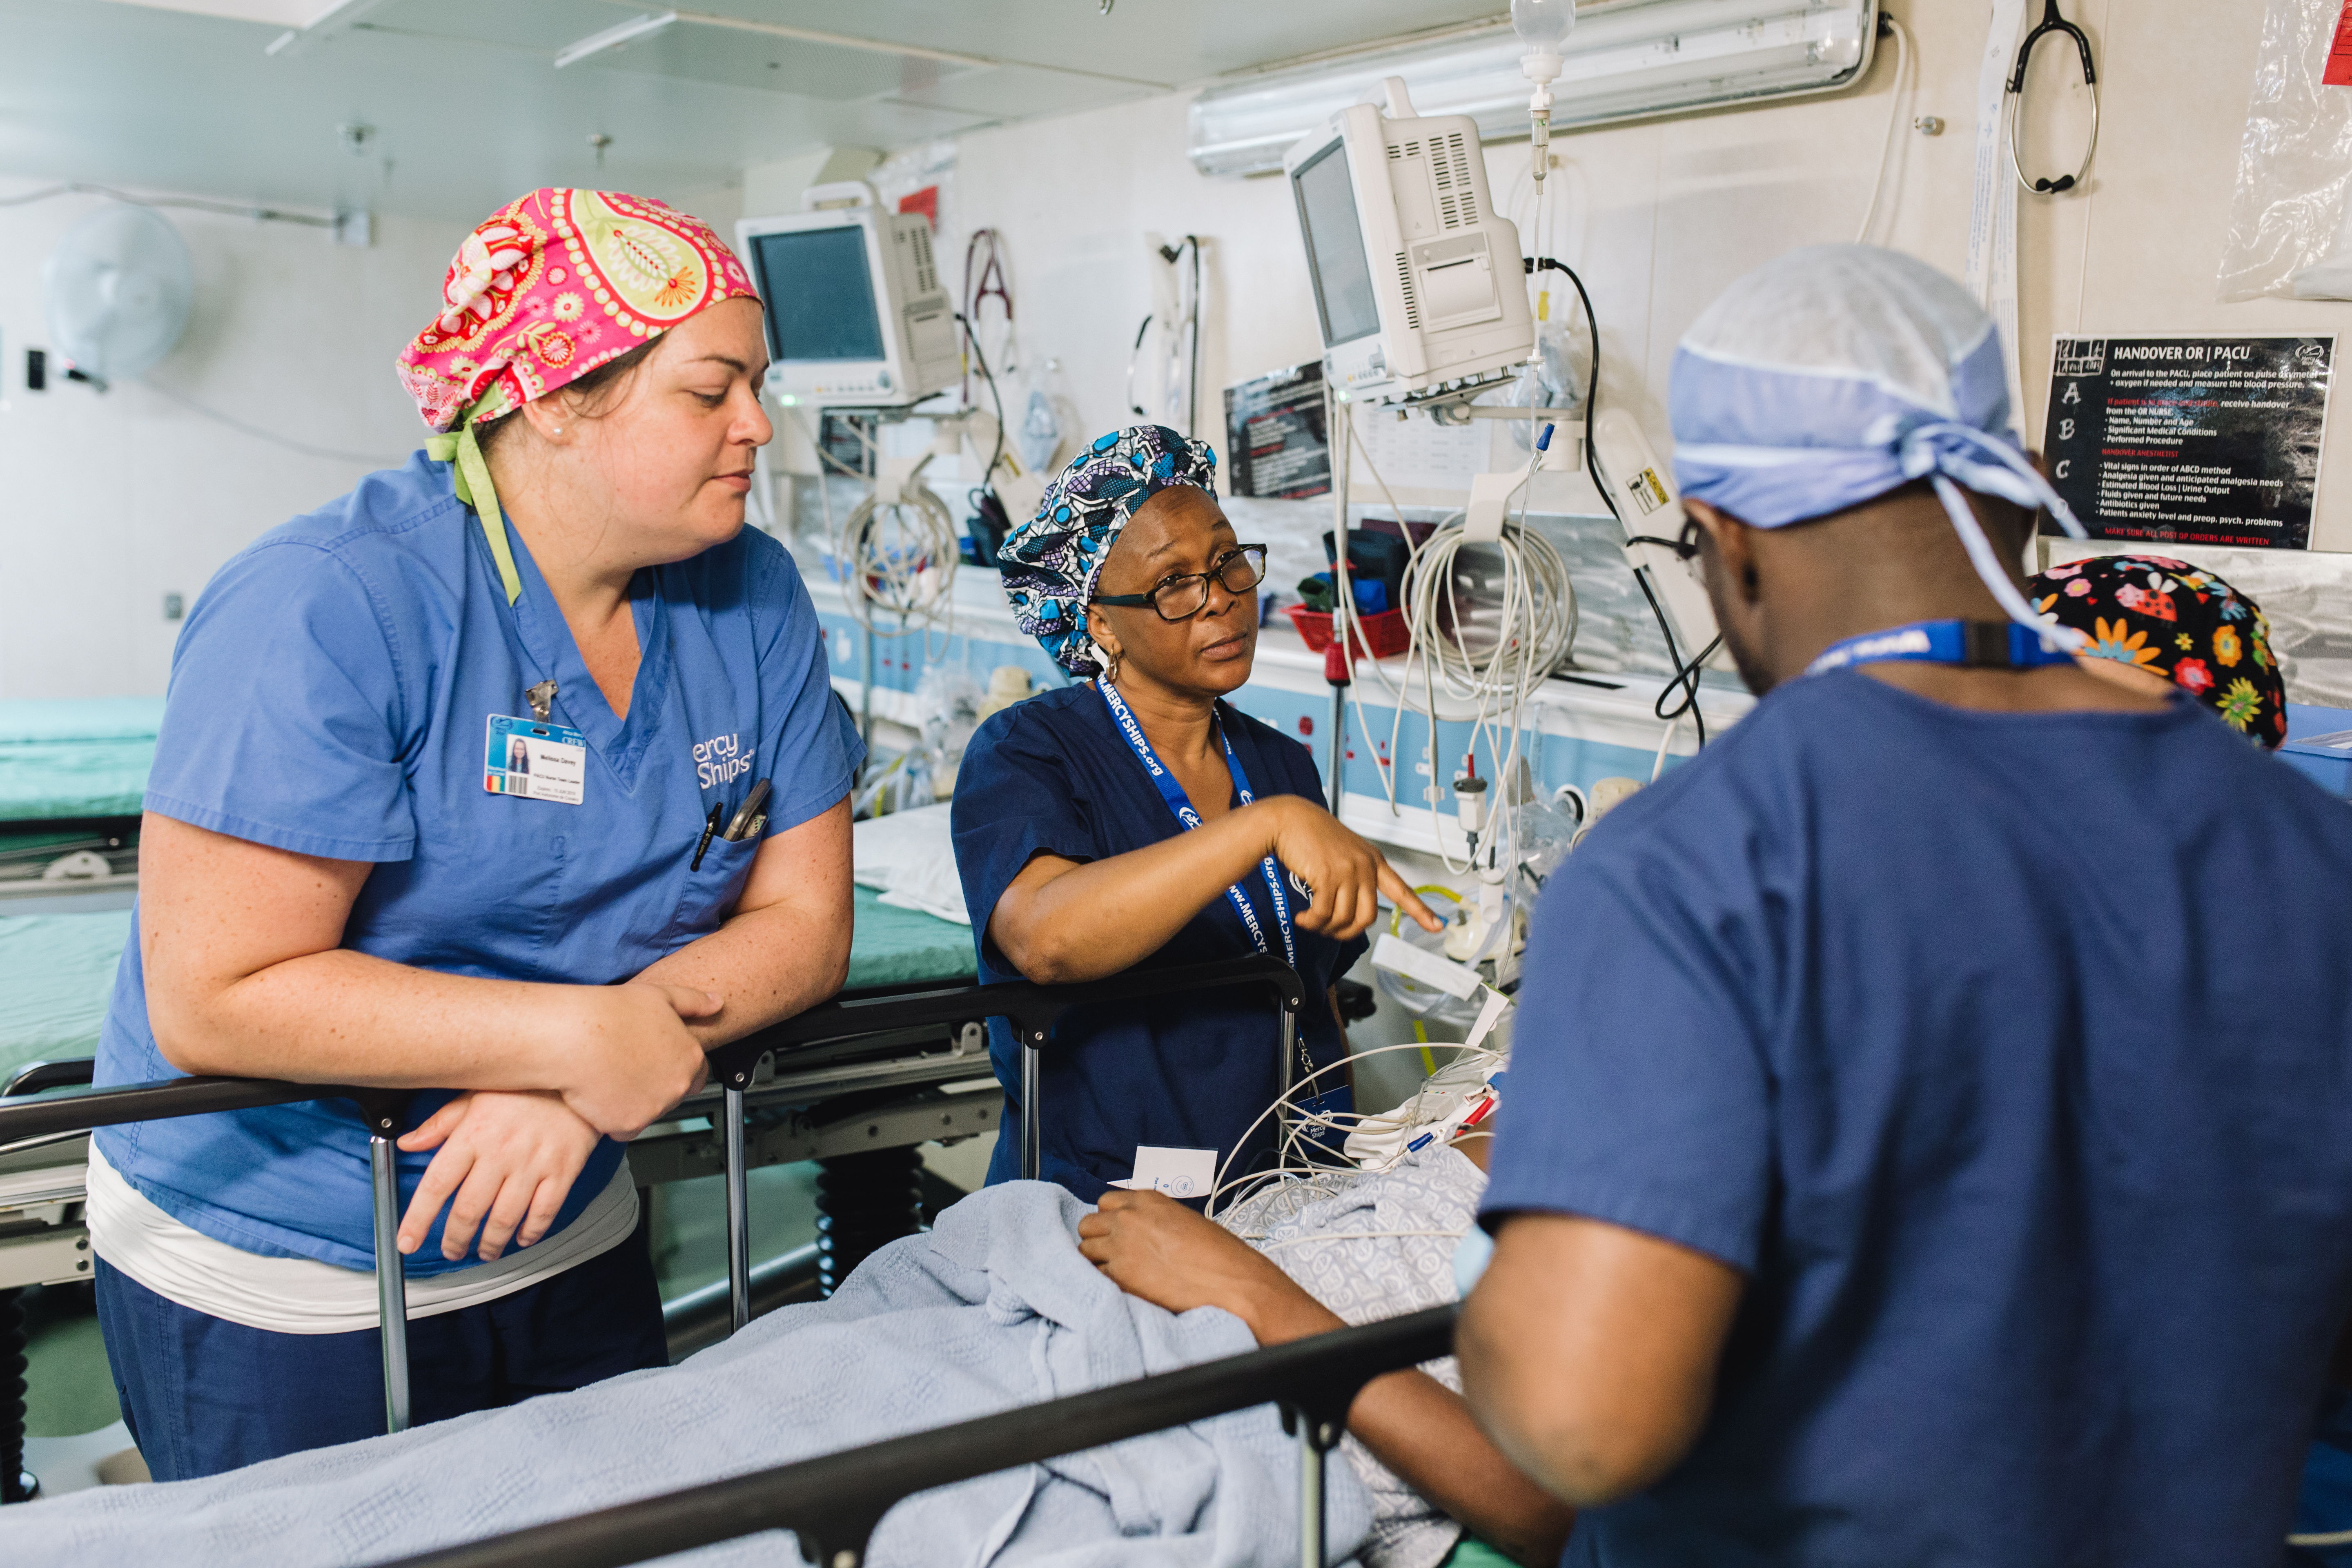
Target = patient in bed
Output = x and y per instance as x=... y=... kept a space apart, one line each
x=1020 y=1294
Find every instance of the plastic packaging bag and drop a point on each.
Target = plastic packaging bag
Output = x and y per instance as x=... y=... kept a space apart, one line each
x=2290 y=223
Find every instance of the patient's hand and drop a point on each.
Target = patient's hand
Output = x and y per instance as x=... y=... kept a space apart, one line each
x=1155 y=1248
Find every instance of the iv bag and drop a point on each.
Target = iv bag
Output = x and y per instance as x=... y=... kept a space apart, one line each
x=1036 y=433
x=1039 y=434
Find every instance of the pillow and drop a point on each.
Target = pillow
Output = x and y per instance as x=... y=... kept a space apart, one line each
x=910 y=857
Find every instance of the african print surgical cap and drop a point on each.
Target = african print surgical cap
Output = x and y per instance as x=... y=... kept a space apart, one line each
x=545 y=290
x=2176 y=620
x=1051 y=561
x=1834 y=374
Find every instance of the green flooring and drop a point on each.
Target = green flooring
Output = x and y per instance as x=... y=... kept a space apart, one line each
x=69 y=1390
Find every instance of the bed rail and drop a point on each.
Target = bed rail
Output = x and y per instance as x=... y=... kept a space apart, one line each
x=28 y=1119
x=834 y=1503
x=1033 y=1011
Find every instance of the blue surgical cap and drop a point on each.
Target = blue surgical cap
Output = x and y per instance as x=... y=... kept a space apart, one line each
x=1834 y=374
x=1051 y=561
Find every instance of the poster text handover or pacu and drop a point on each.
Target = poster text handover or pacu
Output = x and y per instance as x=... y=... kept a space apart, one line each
x=2189 y=440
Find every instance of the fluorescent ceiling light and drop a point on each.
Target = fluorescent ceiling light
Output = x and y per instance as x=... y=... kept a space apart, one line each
x=1626 y=61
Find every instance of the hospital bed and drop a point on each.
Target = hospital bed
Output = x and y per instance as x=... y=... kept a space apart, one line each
x=72 y=771
x=860 y=1079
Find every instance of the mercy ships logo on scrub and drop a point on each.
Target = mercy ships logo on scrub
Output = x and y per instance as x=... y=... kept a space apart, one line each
x=720 y=760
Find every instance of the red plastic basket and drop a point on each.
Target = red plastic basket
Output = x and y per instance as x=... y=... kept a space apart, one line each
x=1382 y=636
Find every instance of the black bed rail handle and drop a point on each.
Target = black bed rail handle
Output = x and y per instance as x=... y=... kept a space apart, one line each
x=832 y=1503
x=1031 y=1008
x=67 y=1072
x=27 y=1117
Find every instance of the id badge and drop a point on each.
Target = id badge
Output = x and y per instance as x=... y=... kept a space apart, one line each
x=535 y=760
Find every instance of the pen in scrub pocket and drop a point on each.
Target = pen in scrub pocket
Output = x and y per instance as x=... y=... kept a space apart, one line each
x=736 y=828
x=710 y=829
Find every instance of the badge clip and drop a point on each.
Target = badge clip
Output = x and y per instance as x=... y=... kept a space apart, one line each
x=542 y=698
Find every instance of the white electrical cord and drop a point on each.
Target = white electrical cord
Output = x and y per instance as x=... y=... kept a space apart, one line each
x=1313 y=1159
x=900 y=555
x=1894 y=117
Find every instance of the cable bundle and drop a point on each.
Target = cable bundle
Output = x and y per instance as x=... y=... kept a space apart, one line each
x=1307 y=1157
x=899 y=555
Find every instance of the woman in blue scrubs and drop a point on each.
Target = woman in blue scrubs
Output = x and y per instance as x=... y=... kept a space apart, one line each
x=347 y=879
x=1137 y=818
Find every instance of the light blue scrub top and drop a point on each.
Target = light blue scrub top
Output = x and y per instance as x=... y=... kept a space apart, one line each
x=330 y=695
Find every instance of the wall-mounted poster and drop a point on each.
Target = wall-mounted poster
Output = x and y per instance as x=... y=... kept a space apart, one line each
x=1276 y=438
x=2189 y=440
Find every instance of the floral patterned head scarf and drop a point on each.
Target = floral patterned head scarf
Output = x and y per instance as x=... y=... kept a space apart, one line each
x=1051 y=561
x=544 y=290
x=2156 y=614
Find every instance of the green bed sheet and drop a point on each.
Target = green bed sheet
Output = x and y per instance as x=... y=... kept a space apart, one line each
x=76 y=757
x=57 y=971
x=898 y=947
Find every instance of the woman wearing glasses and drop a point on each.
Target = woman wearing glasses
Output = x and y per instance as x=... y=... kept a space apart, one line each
x=1136 y=818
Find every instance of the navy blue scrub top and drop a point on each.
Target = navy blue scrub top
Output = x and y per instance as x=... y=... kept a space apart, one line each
x=1053 y=775
x=331 y=695
x=2009 y=1059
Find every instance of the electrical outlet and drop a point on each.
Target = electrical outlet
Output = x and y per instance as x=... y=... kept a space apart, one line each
x=174 y=606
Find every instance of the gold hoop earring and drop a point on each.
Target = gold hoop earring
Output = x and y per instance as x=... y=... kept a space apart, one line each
x=1110 y=670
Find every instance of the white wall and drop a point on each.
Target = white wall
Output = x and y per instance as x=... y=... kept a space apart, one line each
x=109 y=501
x=1659 y=217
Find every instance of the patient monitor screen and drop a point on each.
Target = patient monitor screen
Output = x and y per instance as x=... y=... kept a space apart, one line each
x=820 y=294
x=1335 y=246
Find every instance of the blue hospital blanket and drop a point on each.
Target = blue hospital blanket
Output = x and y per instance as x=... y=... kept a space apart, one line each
x=994 y=1309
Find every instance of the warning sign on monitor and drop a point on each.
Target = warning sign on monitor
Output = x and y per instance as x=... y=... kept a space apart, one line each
x=2189 y=440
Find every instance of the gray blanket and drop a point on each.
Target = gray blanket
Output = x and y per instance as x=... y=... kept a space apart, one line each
x=994 y=1309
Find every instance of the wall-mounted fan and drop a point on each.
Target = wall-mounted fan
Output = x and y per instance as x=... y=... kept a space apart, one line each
x=117 y=290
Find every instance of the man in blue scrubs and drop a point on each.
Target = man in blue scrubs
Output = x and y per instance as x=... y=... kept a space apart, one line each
x=1929 y=1139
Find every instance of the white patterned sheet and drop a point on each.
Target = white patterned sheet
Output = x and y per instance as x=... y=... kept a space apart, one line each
x=1370 y=1246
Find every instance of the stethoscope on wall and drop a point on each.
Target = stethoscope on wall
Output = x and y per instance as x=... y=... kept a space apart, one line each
x=2052 y=22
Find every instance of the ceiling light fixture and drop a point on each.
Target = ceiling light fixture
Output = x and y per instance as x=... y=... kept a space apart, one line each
x=1626 y=61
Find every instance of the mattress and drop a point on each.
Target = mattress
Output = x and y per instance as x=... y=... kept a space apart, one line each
x=76 y=756
x=57 y=971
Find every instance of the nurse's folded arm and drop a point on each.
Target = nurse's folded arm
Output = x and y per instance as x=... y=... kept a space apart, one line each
x=1062 y=920
x=253 y=983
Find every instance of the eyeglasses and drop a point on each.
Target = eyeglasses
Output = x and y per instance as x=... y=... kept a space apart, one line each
x=1182 y=598
x=1684 y=544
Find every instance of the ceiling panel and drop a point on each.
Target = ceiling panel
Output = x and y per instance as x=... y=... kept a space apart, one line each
x=466 y=108
x=768 y=64
x=542 y=27
x=1171 y=42
x=1022 y=92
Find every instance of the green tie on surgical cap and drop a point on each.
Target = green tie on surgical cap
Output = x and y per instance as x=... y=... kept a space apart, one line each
x=474 y=488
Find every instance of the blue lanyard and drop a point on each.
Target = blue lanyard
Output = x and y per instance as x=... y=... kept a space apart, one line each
x=1181 y=808
x=1977 y=644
